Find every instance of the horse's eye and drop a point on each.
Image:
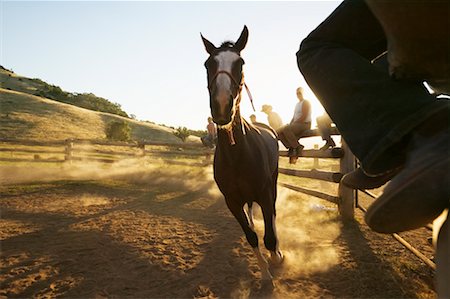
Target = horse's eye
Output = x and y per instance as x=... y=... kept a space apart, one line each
x=239 y=63
x=210 y=63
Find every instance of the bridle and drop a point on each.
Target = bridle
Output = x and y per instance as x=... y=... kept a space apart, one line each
x=228 y=128
x=238 y=85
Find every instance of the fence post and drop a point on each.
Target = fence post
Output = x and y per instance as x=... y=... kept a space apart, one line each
x=68 y=150
x=316 y=160
x=207 y=159
x=142 y=148
x=347 y=195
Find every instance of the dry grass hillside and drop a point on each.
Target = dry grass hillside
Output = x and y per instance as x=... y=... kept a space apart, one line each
x=12 y=81
x=26 y=116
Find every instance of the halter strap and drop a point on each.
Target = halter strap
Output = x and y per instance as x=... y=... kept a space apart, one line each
x=223 y=72
x=249 y=96
x=235 y=82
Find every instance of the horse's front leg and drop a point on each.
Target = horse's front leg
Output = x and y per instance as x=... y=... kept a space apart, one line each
x=252 y=238
x=250 y=215
x=270 y=234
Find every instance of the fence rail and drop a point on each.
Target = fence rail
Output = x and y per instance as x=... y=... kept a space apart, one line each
x=336 y=152
x=77 y=150
x=334 y=177
x=330 y=198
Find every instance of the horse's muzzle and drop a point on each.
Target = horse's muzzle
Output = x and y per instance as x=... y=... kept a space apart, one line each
x=222 y=120
x=222 y=109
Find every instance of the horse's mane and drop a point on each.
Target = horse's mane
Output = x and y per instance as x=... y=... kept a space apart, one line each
x=226 y=44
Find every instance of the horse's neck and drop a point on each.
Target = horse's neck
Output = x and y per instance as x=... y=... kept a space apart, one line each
x=235 y=133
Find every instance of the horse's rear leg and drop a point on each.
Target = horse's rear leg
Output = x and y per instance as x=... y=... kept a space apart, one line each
x=270 y=235
x=252 y=237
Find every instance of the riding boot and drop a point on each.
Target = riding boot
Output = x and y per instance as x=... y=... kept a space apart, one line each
x=328 y=144
x=295 y=153
x=357 y=179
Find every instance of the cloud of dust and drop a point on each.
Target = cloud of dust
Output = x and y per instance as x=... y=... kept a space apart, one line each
x=305 y=233
x=147 y=172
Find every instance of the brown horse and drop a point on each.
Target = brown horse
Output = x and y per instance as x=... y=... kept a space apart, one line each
x=246 y=157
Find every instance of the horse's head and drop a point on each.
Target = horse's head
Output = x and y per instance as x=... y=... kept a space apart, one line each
x=225 y=77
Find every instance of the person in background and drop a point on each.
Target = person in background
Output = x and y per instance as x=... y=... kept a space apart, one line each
x=301 y=122
x=253 y=119
x=324 y=126
x=210 y=138
x=272 y=117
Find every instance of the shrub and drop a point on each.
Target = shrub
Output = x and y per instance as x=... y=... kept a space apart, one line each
x=118 y=130
x=182 y=133
x=198 y=133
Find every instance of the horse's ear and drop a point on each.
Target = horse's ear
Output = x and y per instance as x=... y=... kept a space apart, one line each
x=210 y=48
x=242 y=40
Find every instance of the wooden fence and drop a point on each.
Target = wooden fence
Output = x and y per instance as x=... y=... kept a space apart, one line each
x=347 y=199
x=93 y=150
x=85 y=150
x=12 y=150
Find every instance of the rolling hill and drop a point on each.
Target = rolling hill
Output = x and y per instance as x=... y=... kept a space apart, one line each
x=24 y=115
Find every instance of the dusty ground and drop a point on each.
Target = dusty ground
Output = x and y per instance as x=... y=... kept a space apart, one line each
x=165 y=232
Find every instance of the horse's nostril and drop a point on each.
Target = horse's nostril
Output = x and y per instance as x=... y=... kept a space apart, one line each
x=221 y=119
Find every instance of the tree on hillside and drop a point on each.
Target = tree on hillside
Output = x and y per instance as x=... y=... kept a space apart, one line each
x=52 y=92
x=118 y=131
x=84 y=100
x=93 y=102
x=182 y=133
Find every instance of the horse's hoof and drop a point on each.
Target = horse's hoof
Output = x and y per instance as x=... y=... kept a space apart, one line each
x=266 y=275
x=276 y=258
x=267 y=283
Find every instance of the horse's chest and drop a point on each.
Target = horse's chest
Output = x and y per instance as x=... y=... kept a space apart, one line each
x=240 y=178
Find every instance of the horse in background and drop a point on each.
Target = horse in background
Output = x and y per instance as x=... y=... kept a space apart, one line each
x=246 y=156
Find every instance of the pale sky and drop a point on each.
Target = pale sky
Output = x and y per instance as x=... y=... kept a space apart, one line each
x=148 y=55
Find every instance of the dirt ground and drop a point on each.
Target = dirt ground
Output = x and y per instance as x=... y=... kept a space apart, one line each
x=165 y=232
